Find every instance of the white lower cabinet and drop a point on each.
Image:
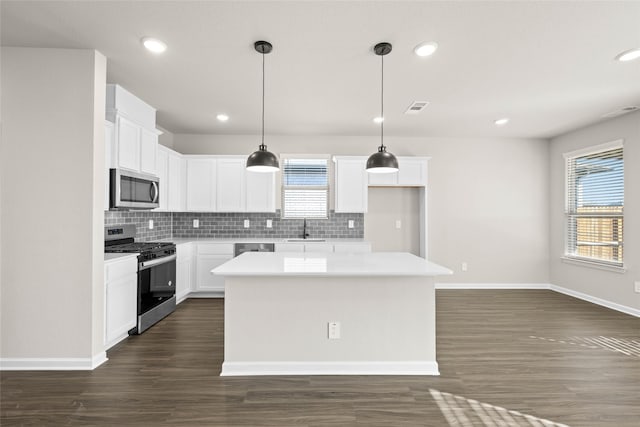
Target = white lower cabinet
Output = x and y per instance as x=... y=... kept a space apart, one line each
x=210 y=256
x=184 y=271
x=121 y=284
x=289 y=247
x=318 y=247
x=351 y=247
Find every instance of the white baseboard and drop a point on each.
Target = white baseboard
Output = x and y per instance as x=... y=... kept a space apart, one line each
x=215 y=294
x=595 y=300
x=329 y=368
x=53 y=364
x=492 y=285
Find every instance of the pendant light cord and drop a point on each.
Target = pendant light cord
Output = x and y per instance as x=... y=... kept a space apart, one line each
x=262 y=147
x=382 y=147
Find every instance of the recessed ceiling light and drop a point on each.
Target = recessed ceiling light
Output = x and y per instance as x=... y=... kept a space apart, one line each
x=222 y=117
x=154 y=45
x=629 y=55
x=426 y=49
x=378 y=120
x=501 y=122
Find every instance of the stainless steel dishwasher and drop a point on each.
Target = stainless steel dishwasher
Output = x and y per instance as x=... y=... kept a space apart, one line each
x=240 y=248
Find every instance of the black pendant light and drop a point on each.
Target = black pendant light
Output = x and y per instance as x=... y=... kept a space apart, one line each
x=382 y=161
x=262 y=160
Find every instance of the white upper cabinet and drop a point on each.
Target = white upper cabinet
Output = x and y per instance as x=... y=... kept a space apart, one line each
x=136 y=138
x=163 y=175
x=350 y=184
x=412 y=172
x=260 y=191
x=201 y=185
x=108 y=141
x=230 y=188
x=176 y=186
x=171 y=171
x=127 y=144
x=148 y=151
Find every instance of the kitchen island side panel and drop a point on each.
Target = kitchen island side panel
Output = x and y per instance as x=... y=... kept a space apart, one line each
x=285 y=319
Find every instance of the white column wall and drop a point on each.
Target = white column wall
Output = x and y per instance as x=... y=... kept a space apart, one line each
x=51 y=198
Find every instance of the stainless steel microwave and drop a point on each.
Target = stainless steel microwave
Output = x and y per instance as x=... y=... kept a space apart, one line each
x=131 y=190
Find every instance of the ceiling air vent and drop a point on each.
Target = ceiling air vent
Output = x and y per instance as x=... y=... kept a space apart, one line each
x=416 y=107
x=621 y=111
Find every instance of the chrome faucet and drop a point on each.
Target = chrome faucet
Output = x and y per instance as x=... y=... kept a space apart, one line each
x=304 y=229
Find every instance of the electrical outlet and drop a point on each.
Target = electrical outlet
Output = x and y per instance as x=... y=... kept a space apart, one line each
x=269 y=223
x=196 y=223
x=246 y=223
x=334 y=330
x=398 y=224
x=637 y=286
x=350 y=223
x=150 y=224
x=464 y=266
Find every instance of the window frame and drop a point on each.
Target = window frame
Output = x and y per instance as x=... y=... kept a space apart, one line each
x=326 y=188
x=572 y=258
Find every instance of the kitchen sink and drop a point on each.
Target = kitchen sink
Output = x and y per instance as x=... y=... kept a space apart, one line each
x=304 y=240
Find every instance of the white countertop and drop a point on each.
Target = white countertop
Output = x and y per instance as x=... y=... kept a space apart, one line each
x=114 y=256
x=329 y=264
x=181 y=240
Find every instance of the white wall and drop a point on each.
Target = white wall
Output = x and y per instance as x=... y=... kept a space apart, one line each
x=488 y=202
x=51 y=197
x=386 y=206
x=165 y=138
x=607 y=285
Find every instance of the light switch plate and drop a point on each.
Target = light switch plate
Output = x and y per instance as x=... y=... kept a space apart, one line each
x=196 y=223
x=269 y=223
x=637 y=286
x=398 y=224
x=334 y=330
x=350 y=223
x=150 y=224
x=246 y=223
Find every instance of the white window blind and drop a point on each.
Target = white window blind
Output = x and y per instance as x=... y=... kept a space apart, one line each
x=305 y=188
x=595 y=205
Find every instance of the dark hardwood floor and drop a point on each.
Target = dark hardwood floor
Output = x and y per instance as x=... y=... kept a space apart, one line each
x=507 y=358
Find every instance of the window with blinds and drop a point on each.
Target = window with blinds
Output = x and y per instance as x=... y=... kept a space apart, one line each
x=595 y=205
x=305 y=188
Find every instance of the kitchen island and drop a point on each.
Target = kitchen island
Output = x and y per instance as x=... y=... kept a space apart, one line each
x=329 y=314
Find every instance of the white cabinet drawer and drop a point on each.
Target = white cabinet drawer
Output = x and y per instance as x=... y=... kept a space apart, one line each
x=117 y=269
x=215 y=249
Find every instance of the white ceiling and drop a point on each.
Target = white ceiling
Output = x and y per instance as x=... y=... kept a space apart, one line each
x=548 y=66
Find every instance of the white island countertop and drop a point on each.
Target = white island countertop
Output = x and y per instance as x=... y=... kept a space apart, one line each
x=329 y=264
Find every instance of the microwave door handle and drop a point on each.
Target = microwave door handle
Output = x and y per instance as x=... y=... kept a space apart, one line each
x=153 y=192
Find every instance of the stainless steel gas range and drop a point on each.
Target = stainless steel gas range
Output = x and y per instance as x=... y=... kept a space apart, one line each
x=156 y=273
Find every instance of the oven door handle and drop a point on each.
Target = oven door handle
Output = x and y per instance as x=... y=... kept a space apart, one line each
x=148 y=264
